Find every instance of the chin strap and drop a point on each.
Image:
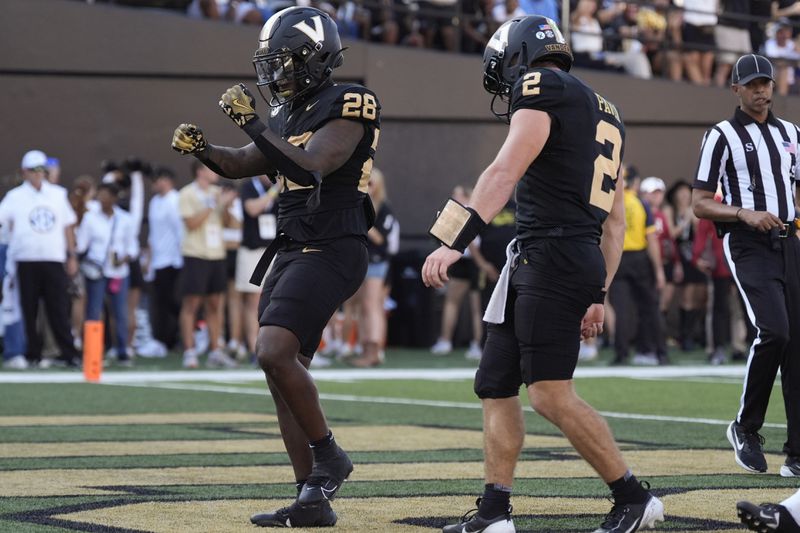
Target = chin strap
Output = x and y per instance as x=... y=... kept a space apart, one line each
x=505 y=117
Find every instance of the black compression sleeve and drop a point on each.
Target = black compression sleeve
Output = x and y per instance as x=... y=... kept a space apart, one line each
x=213 y=166
x=282 y=163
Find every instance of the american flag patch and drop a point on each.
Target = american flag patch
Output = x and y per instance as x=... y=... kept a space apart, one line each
x=790 y=147
x=544 y=27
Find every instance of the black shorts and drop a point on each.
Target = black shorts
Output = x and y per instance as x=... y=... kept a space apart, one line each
x=698 y=38
x=306 y=285
x=466 y=269
x=554 y=283
x=200 y=277
x=137 y=279
x=230 y=265
x=692 y=274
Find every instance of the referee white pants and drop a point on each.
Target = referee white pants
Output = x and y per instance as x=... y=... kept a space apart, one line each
x=767 y=272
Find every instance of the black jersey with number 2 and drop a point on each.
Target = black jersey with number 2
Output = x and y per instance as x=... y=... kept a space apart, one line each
x=569 y=189
x=344 y=207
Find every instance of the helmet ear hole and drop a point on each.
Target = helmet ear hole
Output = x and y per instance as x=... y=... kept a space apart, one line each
x=514 y=60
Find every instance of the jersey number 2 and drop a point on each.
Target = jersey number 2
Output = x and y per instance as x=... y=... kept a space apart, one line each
x=357 y=105
x=603 y=166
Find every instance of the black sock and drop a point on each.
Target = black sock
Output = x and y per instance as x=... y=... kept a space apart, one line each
x=627 y=489
x=495 y=500
x=324 y=448
x=299 y=485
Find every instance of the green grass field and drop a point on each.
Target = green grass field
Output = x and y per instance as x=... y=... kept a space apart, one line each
x=203 y=455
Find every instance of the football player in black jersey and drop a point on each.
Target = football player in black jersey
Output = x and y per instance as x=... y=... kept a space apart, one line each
x=319 y=142
x=562 y=155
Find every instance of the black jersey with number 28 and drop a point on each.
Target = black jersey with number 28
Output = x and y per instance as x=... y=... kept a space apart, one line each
x=569 y=189
x=344 y=207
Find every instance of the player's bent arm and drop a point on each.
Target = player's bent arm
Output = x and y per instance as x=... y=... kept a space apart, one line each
x=457 y=225
x=613 y=235
x=328 y=149
x=526 y=137
x=236 y=163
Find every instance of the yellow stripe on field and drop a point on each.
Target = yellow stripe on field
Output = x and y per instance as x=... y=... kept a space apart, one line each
x=161 y=418
x=353 y=438
x=55 y=482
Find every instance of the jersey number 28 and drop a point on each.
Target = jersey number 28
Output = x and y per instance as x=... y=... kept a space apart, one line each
x=357 y=105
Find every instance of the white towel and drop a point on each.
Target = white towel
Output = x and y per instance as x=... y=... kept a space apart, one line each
x=10 y=310
x=496 y=310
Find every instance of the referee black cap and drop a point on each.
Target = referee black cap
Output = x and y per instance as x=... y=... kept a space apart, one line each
x=749 y=67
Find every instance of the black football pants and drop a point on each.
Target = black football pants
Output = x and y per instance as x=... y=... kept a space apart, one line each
x=633 y=295
x=48 y=281
x=767 y=273
x=165 y=306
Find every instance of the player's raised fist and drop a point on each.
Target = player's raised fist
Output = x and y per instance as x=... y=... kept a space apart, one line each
x=188 y=139
x=239 y=104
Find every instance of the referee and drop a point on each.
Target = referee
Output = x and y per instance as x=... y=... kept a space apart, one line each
x=753 y=155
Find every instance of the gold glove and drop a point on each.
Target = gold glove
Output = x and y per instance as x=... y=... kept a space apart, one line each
x=239 y=104
x=188 y=139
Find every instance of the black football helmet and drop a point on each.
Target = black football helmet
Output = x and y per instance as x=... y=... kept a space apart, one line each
x=298 y=48
x=515 y=47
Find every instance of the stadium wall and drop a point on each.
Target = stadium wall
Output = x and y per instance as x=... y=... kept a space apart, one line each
x=94 y=82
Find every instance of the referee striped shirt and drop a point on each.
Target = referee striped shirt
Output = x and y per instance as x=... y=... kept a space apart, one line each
x=755 y=163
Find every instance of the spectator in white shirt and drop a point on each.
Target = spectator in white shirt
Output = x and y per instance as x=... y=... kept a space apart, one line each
x=106 y=237
x=42 y=243
x=164 y=239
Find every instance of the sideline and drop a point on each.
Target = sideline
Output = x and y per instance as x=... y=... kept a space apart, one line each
x=429 y=403
x=346 y=374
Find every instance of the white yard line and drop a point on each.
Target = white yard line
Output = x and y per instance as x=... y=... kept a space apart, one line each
x=429 y=403
x=444 y=374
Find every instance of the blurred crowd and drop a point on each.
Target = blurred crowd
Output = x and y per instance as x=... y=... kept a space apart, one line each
x=165 y=269
x=693 y=40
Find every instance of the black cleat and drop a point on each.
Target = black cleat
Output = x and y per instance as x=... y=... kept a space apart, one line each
x=747 y=448
x=326 y=479
x=630 y=517
x=767 y=517
x=296 y=515
x=791 y=468
x=471 y=522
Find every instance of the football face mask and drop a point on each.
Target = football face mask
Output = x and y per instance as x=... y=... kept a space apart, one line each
x=277 y=71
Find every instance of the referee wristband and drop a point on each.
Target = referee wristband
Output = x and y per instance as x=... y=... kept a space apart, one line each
x=738 y=211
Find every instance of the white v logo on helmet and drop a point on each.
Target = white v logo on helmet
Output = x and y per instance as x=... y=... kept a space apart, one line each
x=317 y=33
x=499 y=40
